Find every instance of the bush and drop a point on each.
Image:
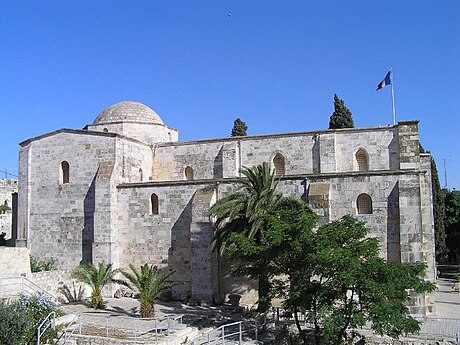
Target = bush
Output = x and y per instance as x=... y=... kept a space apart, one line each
x=20 y=319
x=14 y=323
x=37 y=265
x=37 y=308
x=71 y=293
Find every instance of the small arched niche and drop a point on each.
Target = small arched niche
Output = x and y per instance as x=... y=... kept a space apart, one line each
x=141 y=175
x=364 y=204
x=279 y=164
x=362 y=160
x=188 y=172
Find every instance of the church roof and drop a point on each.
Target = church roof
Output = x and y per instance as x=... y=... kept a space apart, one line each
x=128 y=111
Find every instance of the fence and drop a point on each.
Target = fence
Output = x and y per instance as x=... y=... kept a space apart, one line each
x=11 y=287
x=448 y=329
x=46 y=323
x=108 y=325
x=231 y=332
x=220 y=335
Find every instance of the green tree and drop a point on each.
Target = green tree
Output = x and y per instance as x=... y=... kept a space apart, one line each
x=149 y=283
x=337 y=276
x=341 y=117
x=239 y=128
x=452 y=222
x=242 y=213
x=96 y=278
x=438 y=211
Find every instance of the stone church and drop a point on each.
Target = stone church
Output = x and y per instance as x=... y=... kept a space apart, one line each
x=124 y=189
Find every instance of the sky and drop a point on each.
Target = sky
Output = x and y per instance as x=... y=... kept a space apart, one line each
x=201 y=64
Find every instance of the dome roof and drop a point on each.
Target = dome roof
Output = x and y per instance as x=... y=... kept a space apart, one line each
x=128 y=112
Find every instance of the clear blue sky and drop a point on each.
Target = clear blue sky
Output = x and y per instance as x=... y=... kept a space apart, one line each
x=274 y=64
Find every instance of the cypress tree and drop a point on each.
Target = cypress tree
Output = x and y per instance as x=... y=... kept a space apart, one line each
x=438 y=211
x=341 y=117
x=239 y=128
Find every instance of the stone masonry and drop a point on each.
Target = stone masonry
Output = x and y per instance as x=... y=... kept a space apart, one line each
x=125 y=190
x=8 y=188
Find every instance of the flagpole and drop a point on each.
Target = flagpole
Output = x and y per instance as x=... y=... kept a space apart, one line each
x=393 y=96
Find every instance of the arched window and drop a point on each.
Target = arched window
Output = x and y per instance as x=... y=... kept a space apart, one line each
x=364 y=204
x=154 y=204
x=278 y=164
x=65 y=172
x=362 y=160
x=141 y=175
x=105 y=130
x=188 y=173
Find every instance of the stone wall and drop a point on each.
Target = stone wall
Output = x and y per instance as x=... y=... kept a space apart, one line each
x=14 y=262
x=205 y=158
x=7 y=188
x=54 y=216
x=51 y=281
x=106 y=210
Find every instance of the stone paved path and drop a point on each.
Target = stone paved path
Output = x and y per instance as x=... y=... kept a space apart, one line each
x=447 y=300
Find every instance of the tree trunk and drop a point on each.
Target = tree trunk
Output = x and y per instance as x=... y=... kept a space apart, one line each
x=264 y=289
x=299 y=328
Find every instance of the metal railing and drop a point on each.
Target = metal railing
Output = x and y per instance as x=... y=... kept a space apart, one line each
x=220 y=334
x=440 y=328
x=11 y=287
x=108 y=325
x=69 y=330
x=430 y=328
x=46 y=323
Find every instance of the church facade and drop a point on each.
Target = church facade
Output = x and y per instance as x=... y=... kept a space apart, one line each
x=125 y=190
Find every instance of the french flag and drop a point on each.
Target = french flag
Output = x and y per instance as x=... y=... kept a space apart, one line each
x=385 y=82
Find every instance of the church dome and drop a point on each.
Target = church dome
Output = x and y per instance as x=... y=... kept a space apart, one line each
x=128 y=112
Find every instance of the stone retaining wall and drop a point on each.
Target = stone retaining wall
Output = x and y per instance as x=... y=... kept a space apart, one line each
x=14 y=262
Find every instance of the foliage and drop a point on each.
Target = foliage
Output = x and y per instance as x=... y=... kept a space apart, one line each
x=337 y=276
x=37 y=265
x=438 y=211
x=14 y=323
x=239 y=128
x=242 y=213
x=71 y=293
x=149 y=283
x=37 y=309
x=249 y=256
x=341 y=117
x=4 y=208
x=452 y=221
x=96 y=278
x=20 y=319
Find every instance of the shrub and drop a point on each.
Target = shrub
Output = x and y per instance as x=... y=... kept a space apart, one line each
x=71 y=293
x=37 y=308
x=20 y=319
x=14 y=323
x=37 y=265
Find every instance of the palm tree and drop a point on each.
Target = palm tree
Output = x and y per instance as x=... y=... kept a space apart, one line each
x=96 y=278
x=242 y=213
x=149 y=283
